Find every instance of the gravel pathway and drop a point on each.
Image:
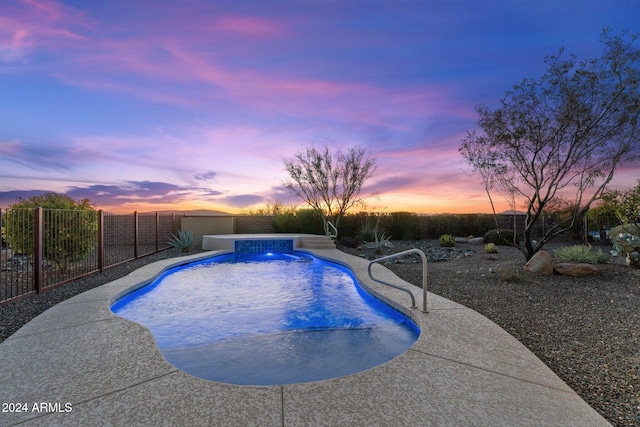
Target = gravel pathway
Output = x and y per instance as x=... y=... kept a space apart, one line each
x=587 y=330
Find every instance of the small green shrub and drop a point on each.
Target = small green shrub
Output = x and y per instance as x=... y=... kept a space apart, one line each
x=447 y=240
x=183 y=241
x=490 y=248
x=628 y=244
x=500 y=237
x=581 y=253
x=68 y=228
x=633 y=229
x=284 y=223
x=515 y=277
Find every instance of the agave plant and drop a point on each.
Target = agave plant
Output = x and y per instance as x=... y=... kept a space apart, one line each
x=381 y=240
x=183 y=241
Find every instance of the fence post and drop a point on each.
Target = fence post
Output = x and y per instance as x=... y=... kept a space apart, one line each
x=37 y=248
x=157 y=231
x=135 y=234
x=101 y=240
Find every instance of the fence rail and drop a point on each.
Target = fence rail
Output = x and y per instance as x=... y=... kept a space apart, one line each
x=45 y=248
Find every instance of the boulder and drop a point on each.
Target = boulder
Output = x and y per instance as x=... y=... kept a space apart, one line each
x=540 y=263
x=476 y=240
x=576 y=269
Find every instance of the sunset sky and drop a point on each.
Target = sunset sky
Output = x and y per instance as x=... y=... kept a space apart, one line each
x=169 y=105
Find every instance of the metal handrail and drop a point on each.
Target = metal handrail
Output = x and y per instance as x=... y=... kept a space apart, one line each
x=328 y=233
x=424 y=276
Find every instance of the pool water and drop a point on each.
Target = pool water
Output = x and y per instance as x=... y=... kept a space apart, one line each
x=271 y=318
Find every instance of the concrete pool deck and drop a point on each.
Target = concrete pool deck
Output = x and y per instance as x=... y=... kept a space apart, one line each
x=91 y=367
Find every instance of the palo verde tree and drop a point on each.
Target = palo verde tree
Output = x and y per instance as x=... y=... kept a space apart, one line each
x=624 y=205
x=330 y=183
x=69 y=228
x=566 y=132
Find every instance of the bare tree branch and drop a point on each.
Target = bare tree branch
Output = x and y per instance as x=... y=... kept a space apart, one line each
x=573 y=127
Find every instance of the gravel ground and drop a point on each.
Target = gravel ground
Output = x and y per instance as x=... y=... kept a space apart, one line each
x=14 y=315
x=587 y=330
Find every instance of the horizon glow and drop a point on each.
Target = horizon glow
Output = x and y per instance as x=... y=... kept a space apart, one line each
x=155 y=105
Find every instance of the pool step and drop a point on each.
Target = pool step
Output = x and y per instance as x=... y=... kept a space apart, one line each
x=316 y=242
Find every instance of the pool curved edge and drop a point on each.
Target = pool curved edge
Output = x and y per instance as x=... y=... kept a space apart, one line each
x=108 y=367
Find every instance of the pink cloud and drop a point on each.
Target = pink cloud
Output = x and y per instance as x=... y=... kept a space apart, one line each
x=32 y=24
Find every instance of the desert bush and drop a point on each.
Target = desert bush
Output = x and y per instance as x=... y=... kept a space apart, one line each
x=633 y=229
x=581 y=253
x=69 y=228
x=284 y=223
x=500 y=237
x=404 y=225
x=447 y=240
x=309 y=221
x=303 y=221
x=516 y=277
x=628 y=244
x=490 y=248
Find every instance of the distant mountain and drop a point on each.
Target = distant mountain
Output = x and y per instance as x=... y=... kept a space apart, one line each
x=512 y=212
x=196 y=212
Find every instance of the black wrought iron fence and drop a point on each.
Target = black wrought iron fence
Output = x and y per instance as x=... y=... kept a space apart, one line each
x=45 y=248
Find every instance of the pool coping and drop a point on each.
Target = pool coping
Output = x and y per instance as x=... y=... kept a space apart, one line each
x=463 y=370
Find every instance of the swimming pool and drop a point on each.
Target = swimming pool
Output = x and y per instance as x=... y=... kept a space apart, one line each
x=267 y=318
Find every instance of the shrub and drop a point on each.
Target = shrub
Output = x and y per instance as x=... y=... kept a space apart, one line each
x=284 y=223
x=500 y=237
x=625 y=228
x=309 y=221
x=515 y=277
x=447 y=240
x=69 y=228
x=581 y=253
x=630 y=245
x=303 y=221
x=490 y=248
x=403 y=225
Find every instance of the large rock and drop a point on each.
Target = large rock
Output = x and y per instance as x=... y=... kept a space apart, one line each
x=540 y=263
x=576 y=270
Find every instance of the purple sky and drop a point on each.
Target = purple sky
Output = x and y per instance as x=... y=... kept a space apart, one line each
x=163 y=104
